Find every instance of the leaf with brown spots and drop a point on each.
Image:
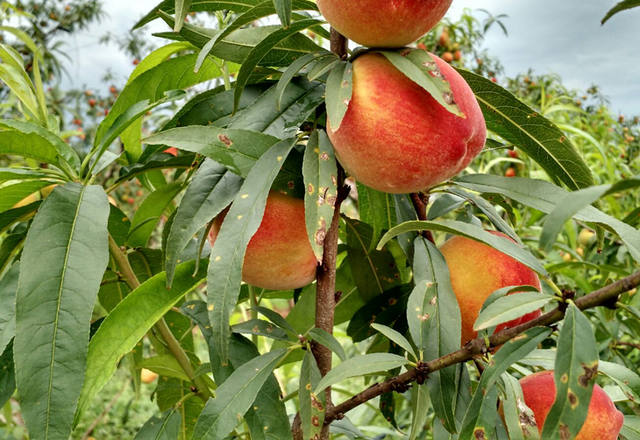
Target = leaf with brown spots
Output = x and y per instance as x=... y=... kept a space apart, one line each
x=576 y=363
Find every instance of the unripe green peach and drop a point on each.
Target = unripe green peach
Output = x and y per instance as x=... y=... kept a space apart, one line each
x=477 y=270
x=396 y=138
x=603 y=422
x=383 y=23
x=279 y=255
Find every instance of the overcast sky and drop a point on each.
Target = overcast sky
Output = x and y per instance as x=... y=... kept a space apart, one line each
x=553 y=36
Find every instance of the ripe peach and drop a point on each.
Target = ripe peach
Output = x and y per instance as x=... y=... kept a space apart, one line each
x=279 y=255
x=604 y=421
x=511 y=172
x=396 y=138
x=147 y=376
x=383 y=23
x=477 y=270
x=448 y=57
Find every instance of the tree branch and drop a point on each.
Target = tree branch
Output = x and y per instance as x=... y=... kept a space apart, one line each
x=600 y=297
x=420 y=202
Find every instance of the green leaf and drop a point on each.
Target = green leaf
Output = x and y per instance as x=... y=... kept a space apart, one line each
x=64 y=257
x=32 y=141
x=520 y=125
x=211 y=190
x=329 y=341
x=374 y=271
x=520 y=421
x=299 y=101
x=360 y=366
x=8 y=289
x=312 y=405
x=260 y=328
x=544 y=197
x=12 y=73
x=395 y=337
x=130 y=321
x=473 y=232
x=294 y=68
x=420 y=409
x=631 y=428
x=149 y=213
x=174 y=73
x=627 y=380
x=168 y=6
x=376 y=209
x=240 y=224
x=260 y=50
x=283 y=8
x=487 y=208
x=7 y=375
x=12 y=194
x=165 y=365
x=509 y=353
x=320 y=172
x=574 y=202
x=419 y=66
x=20 y=174
x=182 y=10
x=622 y=6
x=165 y=428
x=423 y=299
x=388 y=309
x=339 y=93
x=444 y=331
x=510 y=307
x=12 y=216
x=235 y=396
x=238 y=150
x=277 y=319
x=260 y=10
x=157 y=57
x=575 y=373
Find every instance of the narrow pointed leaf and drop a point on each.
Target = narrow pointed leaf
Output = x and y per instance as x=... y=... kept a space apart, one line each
x=169 y=7
x=519 y=419
x=212 y=189
x=444 y=331
x=64 y=258
x=509 y=353
x=283 y=8
x=293 y=69
x=420 y=407
x=329 y=341
x=339 y=93
x=260 y=50
x=260 y=327
x=14 y=193
x=627 y=380
x=470 y=231
x=312 y=405
x=520 y=125
x=395 y=337
x=240 y=224
x=511 y=307
x=182 y=9
x=376 y=209
x=7 y=374
x=622 y=6
x=132 y=318
x=235 y=396
x=320 y=172
x=238 y=150
x=8 y=289
x=575 y=372
x=149 y=213
x=359 y=366
x=419 y=66
x=166 y=427
x=545 y=196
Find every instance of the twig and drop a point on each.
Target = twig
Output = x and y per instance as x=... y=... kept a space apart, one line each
x=161 y=326
x=477 y=346
x=627 y=344
x=420 y=202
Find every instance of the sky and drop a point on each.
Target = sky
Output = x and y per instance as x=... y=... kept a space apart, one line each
x=552 y=36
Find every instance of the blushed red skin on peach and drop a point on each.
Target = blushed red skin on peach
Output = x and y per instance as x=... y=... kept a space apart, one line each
x=279 y=255
x=383 y=23
x=477 y=270
x=396 y=138
x=604 y=421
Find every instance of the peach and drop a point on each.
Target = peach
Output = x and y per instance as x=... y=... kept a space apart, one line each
x=603 y=422
x=147 y=376
x=279 y=255
x=396 y=138
x=477 y=270
x=383 y=23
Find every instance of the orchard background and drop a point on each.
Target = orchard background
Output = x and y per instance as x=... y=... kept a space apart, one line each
x=120 y=319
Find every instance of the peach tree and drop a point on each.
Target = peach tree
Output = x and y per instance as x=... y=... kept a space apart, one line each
x=287 y=243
